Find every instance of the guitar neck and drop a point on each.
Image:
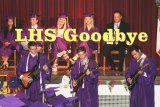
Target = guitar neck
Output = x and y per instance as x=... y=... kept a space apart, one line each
x=39 y=69
x=81 y=77
x=141 y=68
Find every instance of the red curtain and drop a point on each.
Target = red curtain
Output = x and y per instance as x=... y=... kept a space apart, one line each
x=140 y=14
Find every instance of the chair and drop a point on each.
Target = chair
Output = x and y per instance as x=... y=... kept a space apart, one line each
x=12 y=61
x=115 y=56
x=96 y=53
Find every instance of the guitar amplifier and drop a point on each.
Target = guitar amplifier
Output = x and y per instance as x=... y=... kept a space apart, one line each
x=3 y=84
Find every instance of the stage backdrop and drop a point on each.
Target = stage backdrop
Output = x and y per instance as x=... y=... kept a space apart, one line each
x=140 y=14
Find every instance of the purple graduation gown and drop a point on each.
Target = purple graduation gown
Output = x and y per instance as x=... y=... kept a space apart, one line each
x=58 y=45
x=7 y=50
x=88 y=96
x=34 y=90
x=26 y=32
x=90 y=45
x=142 y=94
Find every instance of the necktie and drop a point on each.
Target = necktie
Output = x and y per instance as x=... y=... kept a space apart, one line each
x=117 y=26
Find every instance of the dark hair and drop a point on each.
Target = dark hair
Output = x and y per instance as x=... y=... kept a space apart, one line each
x=32 y=44
x=117 y=11
x=135 y=47
x=81 y=49
x=6 y=28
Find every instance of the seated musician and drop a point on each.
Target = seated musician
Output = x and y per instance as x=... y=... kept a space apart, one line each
x=7 y=42
x=34 y=24
x=88 y=91
x=32 y=61
x=142 y=94
x=60 y=43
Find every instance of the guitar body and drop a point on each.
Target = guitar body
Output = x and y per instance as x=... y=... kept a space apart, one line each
x=25 y=84
x=79 y=81
x=134 y=81
x=136 y=76
x=34 y=73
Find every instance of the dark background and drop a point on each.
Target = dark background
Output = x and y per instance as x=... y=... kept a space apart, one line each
x=140 y=14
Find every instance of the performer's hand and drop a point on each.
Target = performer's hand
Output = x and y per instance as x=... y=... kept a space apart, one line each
x=74 y=83
x=39 y=49
x=27 y=79
x=6 y=43
x=129 y=80
x=88 y=72
x=65 y=56
x=140 y=72
x=45 y=67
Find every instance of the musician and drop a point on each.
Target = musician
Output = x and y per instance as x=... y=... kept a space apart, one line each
x=142 y=94
x=88 y=92
x=32 y=61
x=120 y=46
x=89 y=27
x=60 y=43
x=34 y=24
x=7 y=41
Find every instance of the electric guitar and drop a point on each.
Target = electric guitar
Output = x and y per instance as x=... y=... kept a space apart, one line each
x=34 y=73
x=79 y=79
x=136 y=76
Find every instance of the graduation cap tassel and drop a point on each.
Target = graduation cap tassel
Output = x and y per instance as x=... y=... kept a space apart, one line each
x=14 y=21
x=67 y=22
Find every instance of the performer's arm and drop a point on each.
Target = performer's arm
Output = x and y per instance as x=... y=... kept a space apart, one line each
x=93 y=76
x=46 y=68
x=129 y=72
x=74 y=71
x=151 y=72
x=20 y=68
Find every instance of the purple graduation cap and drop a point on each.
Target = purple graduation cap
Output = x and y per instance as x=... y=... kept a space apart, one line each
x=22 y=95
x=88 y=14
x=10 y=17
x=65 y=16
x=72 y=102
x=49 y=92
x=62 y=15
x=58 y=101
x=34 y=15
x=2 y=96
x=38 y=104
x=24 y=98
x=11 y=101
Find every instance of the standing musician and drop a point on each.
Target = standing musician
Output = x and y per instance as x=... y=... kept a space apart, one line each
x=88 y=91
x=34 y=60
x=142 y=94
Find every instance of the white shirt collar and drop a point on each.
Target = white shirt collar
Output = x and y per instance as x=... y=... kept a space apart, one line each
x=84 y=61
x=34 y=27
x=142 y=56
x=33 y=55
x=117 y=23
